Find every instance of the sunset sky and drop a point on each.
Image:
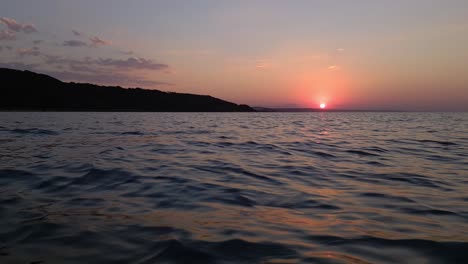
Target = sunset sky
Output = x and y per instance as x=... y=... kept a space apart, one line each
x=363 y=54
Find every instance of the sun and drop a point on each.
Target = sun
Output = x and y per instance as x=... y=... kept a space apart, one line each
x=323 y=105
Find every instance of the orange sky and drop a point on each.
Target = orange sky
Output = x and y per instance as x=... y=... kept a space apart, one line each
x=361 y=54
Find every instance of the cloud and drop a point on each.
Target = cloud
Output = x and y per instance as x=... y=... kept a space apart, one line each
x=74 y=43
x=116 y=64
x=102 y=77
x=340 y=49
x=262 y=65
x=66 y=63
x=96 y=42
x=129 y=53
x=19 y=66
x=334 y=67
x=28 y=52
x=53 y=60
x=82 y=68
x=104 y=71
x=13 y=25
x=77 y=33
x=7 y=35
x=29 y=28
x=132 y=63
x=37 y=42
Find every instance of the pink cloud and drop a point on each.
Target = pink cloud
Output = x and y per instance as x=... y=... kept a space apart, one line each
x=13 y=25
x=262 y=65
x=18 y=66
x=334 y=67
x=7 y=35
x=96 y=41
x=75 y=43
x=28 y=52
x=29 y=28
x=76 y=33
x=132 y=63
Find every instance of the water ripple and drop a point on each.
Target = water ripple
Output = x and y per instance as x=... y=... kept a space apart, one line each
x=233 y=188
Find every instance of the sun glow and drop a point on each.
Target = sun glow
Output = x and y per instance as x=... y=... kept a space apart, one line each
x=323 y=106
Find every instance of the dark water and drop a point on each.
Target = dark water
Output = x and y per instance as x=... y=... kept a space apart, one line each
x=233 y=188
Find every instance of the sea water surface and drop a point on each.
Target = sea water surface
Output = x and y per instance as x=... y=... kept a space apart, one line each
x=233 y=188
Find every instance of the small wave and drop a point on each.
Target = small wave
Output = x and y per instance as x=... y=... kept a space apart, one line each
x=237 y=170
x=132 y=133
x=386 y=197
x=227 y=137
x=443 y=143
x=314 y=153
x=429 y=211
x=414 y=179
x=323 y=154
x=361 y=153
x=307 y=204
x=105 y=180
x=376 y=163
x=225 y=144
x=441 y=252
x=230 y=251
x=376 y=149
x=238 y=200
x=9 y=176
x=34 y=131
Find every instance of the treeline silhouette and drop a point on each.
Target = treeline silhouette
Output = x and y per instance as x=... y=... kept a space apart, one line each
x=25 y=90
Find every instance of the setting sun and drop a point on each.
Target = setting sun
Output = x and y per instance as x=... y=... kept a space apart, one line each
x=323 y=106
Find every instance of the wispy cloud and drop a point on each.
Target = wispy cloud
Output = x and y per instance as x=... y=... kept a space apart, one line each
x=116 y=64
x=29 y=28
x=15 y=26
x=96 y=42
x=7 y=35
x=132 y=63
x=28 y=52
x=82 y=68
x=19 y=66
x=86 y=74
x=129 y=53
x=102 y=77
x=261 y=65
x=77 y=33
x=104 y=70
x=127 y=71
x=334 y=67
x=75 y=43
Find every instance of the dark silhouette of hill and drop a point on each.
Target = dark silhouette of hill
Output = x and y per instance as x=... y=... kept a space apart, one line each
x=25 y=90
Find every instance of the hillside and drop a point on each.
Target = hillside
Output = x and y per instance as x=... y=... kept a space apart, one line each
x=25 y=90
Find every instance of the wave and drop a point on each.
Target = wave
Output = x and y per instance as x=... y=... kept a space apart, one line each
x=33 y=131
x=221 y=188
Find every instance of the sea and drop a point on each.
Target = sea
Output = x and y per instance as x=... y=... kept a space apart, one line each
x=316 y=187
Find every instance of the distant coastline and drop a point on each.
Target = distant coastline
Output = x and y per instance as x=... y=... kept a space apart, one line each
x=307 y=110
x=29 y=91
